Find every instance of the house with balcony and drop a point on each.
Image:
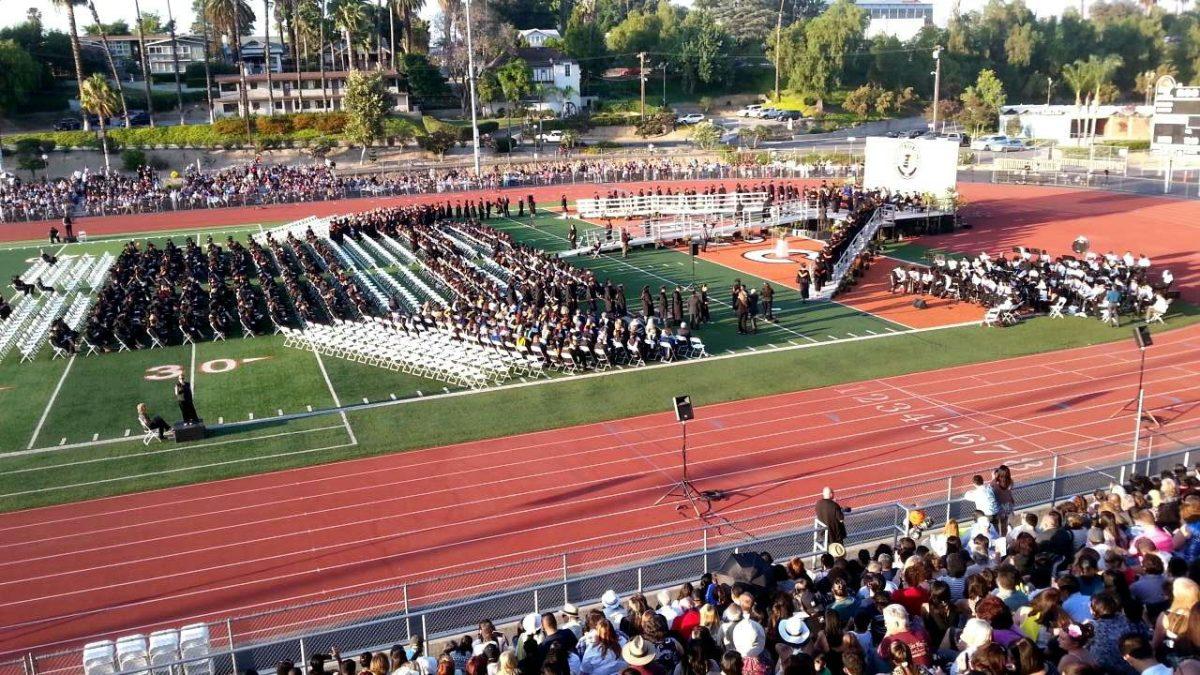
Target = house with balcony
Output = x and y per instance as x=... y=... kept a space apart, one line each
x=298 y=93
x=126 y=50
x=161 y=54
x=536 y=37
x=257 y=54
x=555 y=80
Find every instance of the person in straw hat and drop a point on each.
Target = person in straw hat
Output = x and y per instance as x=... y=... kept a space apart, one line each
x=640 y=654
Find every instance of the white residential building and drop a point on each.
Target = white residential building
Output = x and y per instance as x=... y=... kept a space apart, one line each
x=902 y=19
x=1066 y=124
x=288 y=95
x=160 y=53
x=556 y=78
x=536 y=37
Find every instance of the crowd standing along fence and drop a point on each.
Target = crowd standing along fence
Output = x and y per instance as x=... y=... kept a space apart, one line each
x=379 y=184
x=452 y=601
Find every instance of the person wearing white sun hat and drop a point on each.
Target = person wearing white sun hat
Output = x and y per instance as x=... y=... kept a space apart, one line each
x=610 y=604
x=750 y=640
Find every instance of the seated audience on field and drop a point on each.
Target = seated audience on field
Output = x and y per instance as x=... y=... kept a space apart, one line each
x=1039 y=600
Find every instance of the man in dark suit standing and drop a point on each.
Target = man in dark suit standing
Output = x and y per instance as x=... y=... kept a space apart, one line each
x=768 y=301
x=830 y=514
x=183 y=396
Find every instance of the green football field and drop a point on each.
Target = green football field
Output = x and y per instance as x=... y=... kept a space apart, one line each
x=68 y=428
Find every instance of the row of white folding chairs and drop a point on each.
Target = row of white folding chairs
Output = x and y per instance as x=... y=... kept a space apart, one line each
x=375 y=352
x=410 y=299
x=78 y=310
x=436 y=352
x=99 y=272
x=12 y=328
x=505 y=354
x=184 y=651
x=35 y=334
x=360 y=269
x=35 y=271
x=430 y=355
x=296 y=227
x=402 y=263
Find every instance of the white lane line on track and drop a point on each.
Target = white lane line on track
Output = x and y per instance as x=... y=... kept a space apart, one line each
x=50 y=404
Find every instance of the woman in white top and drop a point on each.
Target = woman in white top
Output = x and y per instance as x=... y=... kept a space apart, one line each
x=603 y=655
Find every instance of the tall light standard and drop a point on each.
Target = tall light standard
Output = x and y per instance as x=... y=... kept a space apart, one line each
x=1049 y=89
x=937 y=84
x=471 y=85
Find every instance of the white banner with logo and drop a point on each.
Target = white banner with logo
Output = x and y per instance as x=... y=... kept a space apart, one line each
x=922 y=165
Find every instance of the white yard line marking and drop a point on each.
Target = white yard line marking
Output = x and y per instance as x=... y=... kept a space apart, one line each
x=192 y=377
x=50 y=404
x=336 y=400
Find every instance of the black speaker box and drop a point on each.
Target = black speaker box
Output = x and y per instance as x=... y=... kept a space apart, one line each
x=189 y=432
x=1141 y=335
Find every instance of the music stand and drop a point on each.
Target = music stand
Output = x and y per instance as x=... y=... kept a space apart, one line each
x=1141 y=337
x=684 y=489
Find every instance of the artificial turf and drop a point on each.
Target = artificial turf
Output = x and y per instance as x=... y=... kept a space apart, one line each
x=82 y=450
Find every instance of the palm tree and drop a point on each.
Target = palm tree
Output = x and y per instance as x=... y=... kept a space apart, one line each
x=202 y=17
x=1102 y=70
x=348 y=16
x=407 y=9
x=97 y=98
x=285 y=21
x=175 y=64
x=391 y=13
x=311 y=18
x=70 y=5
x=267 y=56
x=144 y=61
x=112 y=66
x=1078 y=77
x=228 y=16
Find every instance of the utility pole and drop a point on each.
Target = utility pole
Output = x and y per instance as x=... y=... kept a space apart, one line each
x=778 y=47
x=937 y=84
x=642 y=80
x=471 y=85
x=1049 y=89
x=664 y=102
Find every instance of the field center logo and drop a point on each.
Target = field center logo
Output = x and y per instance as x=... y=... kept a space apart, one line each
x=908 y=159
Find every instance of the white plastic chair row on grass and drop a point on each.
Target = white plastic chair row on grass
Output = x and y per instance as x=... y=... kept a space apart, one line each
x=35 y=333
x=402 y=258
x=433 y=354
x=24 y=310
x=167 y=652
x=296 y=228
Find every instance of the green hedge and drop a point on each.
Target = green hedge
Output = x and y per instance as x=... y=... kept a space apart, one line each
x=277 y=131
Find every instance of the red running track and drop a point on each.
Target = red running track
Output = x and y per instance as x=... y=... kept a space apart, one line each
x=231 y=547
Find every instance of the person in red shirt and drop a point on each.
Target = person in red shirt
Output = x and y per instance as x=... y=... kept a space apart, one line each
x=895 y=620
x=914 y=594
x=689 y=618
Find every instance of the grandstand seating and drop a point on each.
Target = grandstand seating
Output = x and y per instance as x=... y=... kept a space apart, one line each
x=160 y=655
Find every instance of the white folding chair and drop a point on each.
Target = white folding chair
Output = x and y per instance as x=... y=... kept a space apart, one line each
x=1056 y=310
x=164 y=650
x=132 y=654
x=99 y=658
x=193 y=644
x=149 y=435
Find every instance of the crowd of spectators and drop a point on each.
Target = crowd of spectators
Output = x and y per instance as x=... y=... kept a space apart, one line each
x=85 y=192
x=1105 y=286
x=1102 y=584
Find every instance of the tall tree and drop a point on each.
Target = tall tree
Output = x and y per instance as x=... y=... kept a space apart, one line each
x=145 y=61
x=75 y=55
x=349 y=17
x=828 y=40
x=366 y=106
x=982 y=101
x=202 y=19
x=408 y=11
x=175 y=64
x=228 y=17
x=98 y=99
x=102 y=31
x=515 y=80
x=584 y=41
x=19 y=77
x=267 y=56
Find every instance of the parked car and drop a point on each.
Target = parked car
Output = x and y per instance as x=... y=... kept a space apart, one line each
x=750 y=111
x=785 y=115
x=771 y=113
x=892 y=134
x=554 y=136
x=1010 y=145
x=962 y=139
x=989 y=142
x=68 y=124
x=690 y=118
x=914 y=133
x=139 y=118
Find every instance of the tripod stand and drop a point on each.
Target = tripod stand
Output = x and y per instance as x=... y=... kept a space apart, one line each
x=684 y=489
x=1138 y=403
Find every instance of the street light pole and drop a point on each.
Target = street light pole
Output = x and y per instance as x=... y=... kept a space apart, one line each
x=642 y=80
x=1049 y=89
x=937 y=84
x=471 y=85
